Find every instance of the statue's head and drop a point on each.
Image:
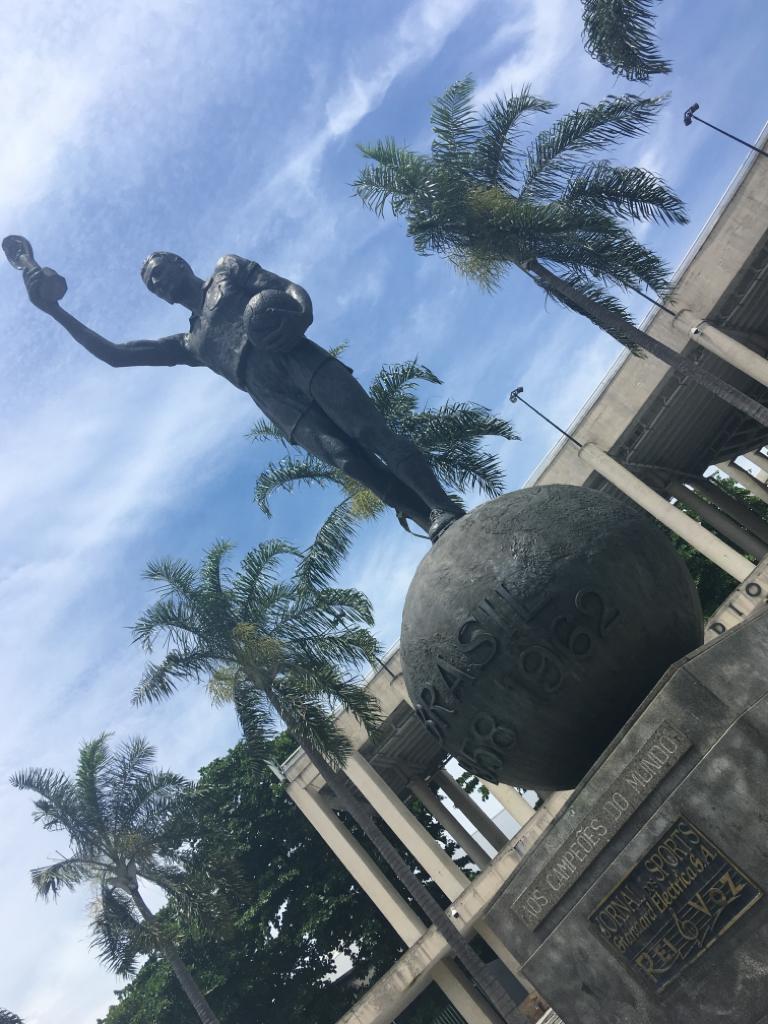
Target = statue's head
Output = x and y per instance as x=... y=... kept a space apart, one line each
x=166 y=275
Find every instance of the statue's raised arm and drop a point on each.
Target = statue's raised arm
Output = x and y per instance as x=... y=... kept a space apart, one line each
x=248 y=325
x=46 y=288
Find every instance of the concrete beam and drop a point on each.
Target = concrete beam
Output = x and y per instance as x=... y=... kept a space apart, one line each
x=450 y=823
x=435 y=861
x=718 y=520
x=470 y=809
x=736 y=509
x=724 y=346
x=365 y=872
x=694 y=533
x=743 y=477
x=509 y=798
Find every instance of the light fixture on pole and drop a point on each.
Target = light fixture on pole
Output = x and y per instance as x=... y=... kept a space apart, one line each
x=515 y=397
x=690 y=115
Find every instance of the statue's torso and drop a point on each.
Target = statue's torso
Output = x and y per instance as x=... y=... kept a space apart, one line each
x=217 y=335
x=278 y=380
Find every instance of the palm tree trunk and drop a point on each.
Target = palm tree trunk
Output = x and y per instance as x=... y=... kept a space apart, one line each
x=362 y=814
x=616 y=325
x=179 y=968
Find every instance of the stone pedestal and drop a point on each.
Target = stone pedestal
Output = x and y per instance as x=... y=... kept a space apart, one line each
x=644 y=902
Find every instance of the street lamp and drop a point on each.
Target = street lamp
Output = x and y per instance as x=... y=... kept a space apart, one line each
x=690 y=115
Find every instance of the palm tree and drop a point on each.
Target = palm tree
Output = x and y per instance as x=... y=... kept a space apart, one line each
x=115 y=810
x=487 y=203
x=620 y=35
x=278 y=645
x=450 y=436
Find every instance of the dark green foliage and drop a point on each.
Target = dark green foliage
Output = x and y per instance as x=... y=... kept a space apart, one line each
x=486 y=201
x=620 y=34
x=292 y=907
x=452 y=437
x=712 y=583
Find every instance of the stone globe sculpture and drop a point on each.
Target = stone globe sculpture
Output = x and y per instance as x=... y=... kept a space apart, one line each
x=536 y=626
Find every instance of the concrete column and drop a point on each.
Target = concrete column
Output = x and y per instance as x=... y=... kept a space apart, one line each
x=450 y=823
x=759 y=459
x=694 y=533
x=557 y=799
x=406 y=827
x=472 y=1006
x=727 y=348
x=365 y=872
x=509 y=798
x=733 y=507
x=470 y=809
x=718 y=520
x=741 y=476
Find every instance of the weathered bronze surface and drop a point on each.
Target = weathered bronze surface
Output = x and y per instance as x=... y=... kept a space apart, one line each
x=673 y=905
x=248 y=325
x=537 y=624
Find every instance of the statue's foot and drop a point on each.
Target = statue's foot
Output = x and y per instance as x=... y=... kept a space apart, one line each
x=439 y=521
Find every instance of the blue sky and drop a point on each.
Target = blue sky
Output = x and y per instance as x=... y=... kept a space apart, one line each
x=205 y=130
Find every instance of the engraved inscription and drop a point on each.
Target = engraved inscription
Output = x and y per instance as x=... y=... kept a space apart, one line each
x=673 y=905
x=615 y=806
x=544 y=668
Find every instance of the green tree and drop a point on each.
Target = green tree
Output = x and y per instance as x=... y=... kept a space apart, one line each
x=278 y=960
x=555 y=209
x=450 y=436
x=620 y=34
x=114 y=811
x=284 y=644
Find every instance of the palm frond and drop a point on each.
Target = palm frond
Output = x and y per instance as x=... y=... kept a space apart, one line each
x=454 y=124
x=174 y=576
x=255 y=715
x=620 y=34
x=398 y=177
x=320 y=563
x=168 y=617
x=311 y=723
x=92 y=767
x=255 y=578
x=57 y=807
x=553 y=155
x=213 y=571
x=129 y=764
x=348 y=695
x=7 y=1017
x=148 y=802
x=161 y=680
x=52 y=879
x=265 y=430
x=393 y=389
x=497 y=158
x=628 y=192
x=287 y=474
x=118 y=933
x=605 y=300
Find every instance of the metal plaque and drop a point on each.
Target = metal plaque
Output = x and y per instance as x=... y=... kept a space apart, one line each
x=673 y=905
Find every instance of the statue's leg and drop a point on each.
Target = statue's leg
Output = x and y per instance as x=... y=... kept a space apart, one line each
x=320 y=436
x=348 y=404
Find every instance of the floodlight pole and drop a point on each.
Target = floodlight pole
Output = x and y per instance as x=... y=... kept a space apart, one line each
x=690 y=115
x=515 y=397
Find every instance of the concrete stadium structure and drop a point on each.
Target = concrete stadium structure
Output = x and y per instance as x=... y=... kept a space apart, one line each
x=652 y=437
